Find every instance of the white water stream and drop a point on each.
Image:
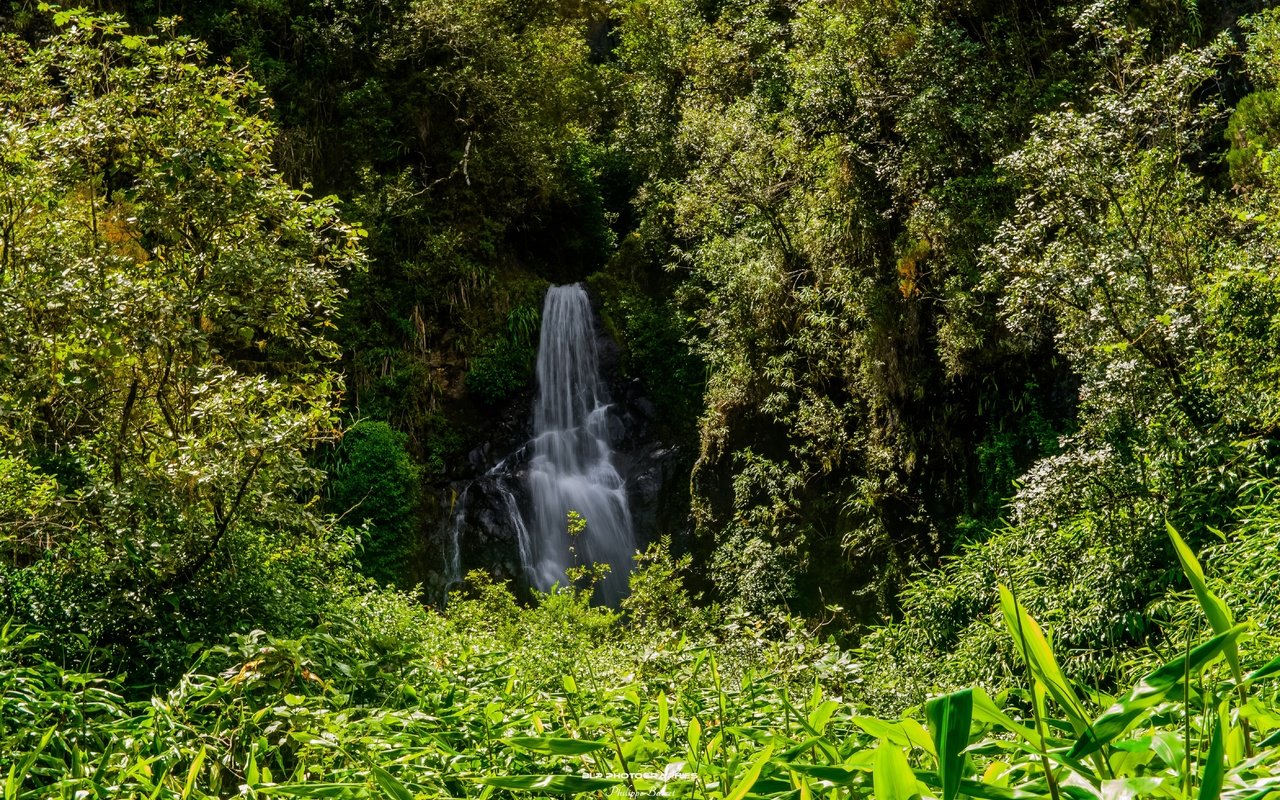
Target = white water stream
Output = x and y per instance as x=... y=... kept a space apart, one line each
x=572 y=465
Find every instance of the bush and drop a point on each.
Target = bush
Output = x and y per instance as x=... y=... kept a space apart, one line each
x=1254 y=134
x=504 y=366
x=375 y=485
x=501 y=371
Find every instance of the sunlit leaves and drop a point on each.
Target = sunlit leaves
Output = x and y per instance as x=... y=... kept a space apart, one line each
x=166 y=302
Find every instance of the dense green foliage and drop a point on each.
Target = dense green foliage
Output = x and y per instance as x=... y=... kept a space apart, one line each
x=960 y=310
x=374 y=486
x=386 y=699
x=166 y=302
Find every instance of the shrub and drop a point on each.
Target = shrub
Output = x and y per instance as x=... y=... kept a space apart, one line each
x=375 y=485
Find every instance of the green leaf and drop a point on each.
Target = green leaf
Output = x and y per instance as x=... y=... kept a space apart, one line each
x=826 y=772
x=892 y=777
x=193 y=773
x=752 y=775
x=904 y=733
x=1214 y=764
x=556 y=745
x=549 y=783
x=949 y=720
x=1034 y=646
x=822 y=715
x=978 y=789
x=342 y=790
x=1269 y=670
x=1214 y=608
x=1150 y=690
x=390 y=786
x=985 y=710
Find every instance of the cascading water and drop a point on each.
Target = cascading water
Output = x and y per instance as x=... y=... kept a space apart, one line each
x=453 y=569
x=567 y=466
x=572 y=464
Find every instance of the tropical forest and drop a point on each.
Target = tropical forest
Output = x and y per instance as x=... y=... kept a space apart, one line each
x=716 y=399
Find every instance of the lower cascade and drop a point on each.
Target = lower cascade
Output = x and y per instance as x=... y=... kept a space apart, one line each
x=568 y=465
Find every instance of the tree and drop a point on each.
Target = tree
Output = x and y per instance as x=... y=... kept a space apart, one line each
x=165 y=307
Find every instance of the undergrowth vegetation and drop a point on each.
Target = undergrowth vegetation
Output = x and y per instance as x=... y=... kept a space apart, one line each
x=387 y=699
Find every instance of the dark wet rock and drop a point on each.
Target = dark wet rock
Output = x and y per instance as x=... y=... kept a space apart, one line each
x=656 y=508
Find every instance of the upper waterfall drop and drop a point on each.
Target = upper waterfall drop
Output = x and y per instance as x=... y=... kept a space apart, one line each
x=571 y=468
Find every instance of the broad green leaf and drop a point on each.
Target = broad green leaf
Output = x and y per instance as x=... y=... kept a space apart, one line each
x=1214 y=608
x=18 y=772
x=949 y=720
x=556 y=745
x=749 y=779
x=1236 y=746
x=1133 y=787
x=991 y=791
x=892 y=777
x=822 y=715
x=818 y=740
x=1269 y=670
x=996 y=773
x=904 y=733
x=802 y=786
x=985 y=710
x=1031 y=642
x=1150 y=690
x=251 y=771
x=826 y=772
x=193 y=773
x=804 y=746
x=978 y=789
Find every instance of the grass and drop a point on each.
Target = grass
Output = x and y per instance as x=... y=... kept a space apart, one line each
x=384 y=699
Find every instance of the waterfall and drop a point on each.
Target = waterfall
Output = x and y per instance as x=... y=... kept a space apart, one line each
x=453 y=568
x=566 y=466
x=572 y=464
